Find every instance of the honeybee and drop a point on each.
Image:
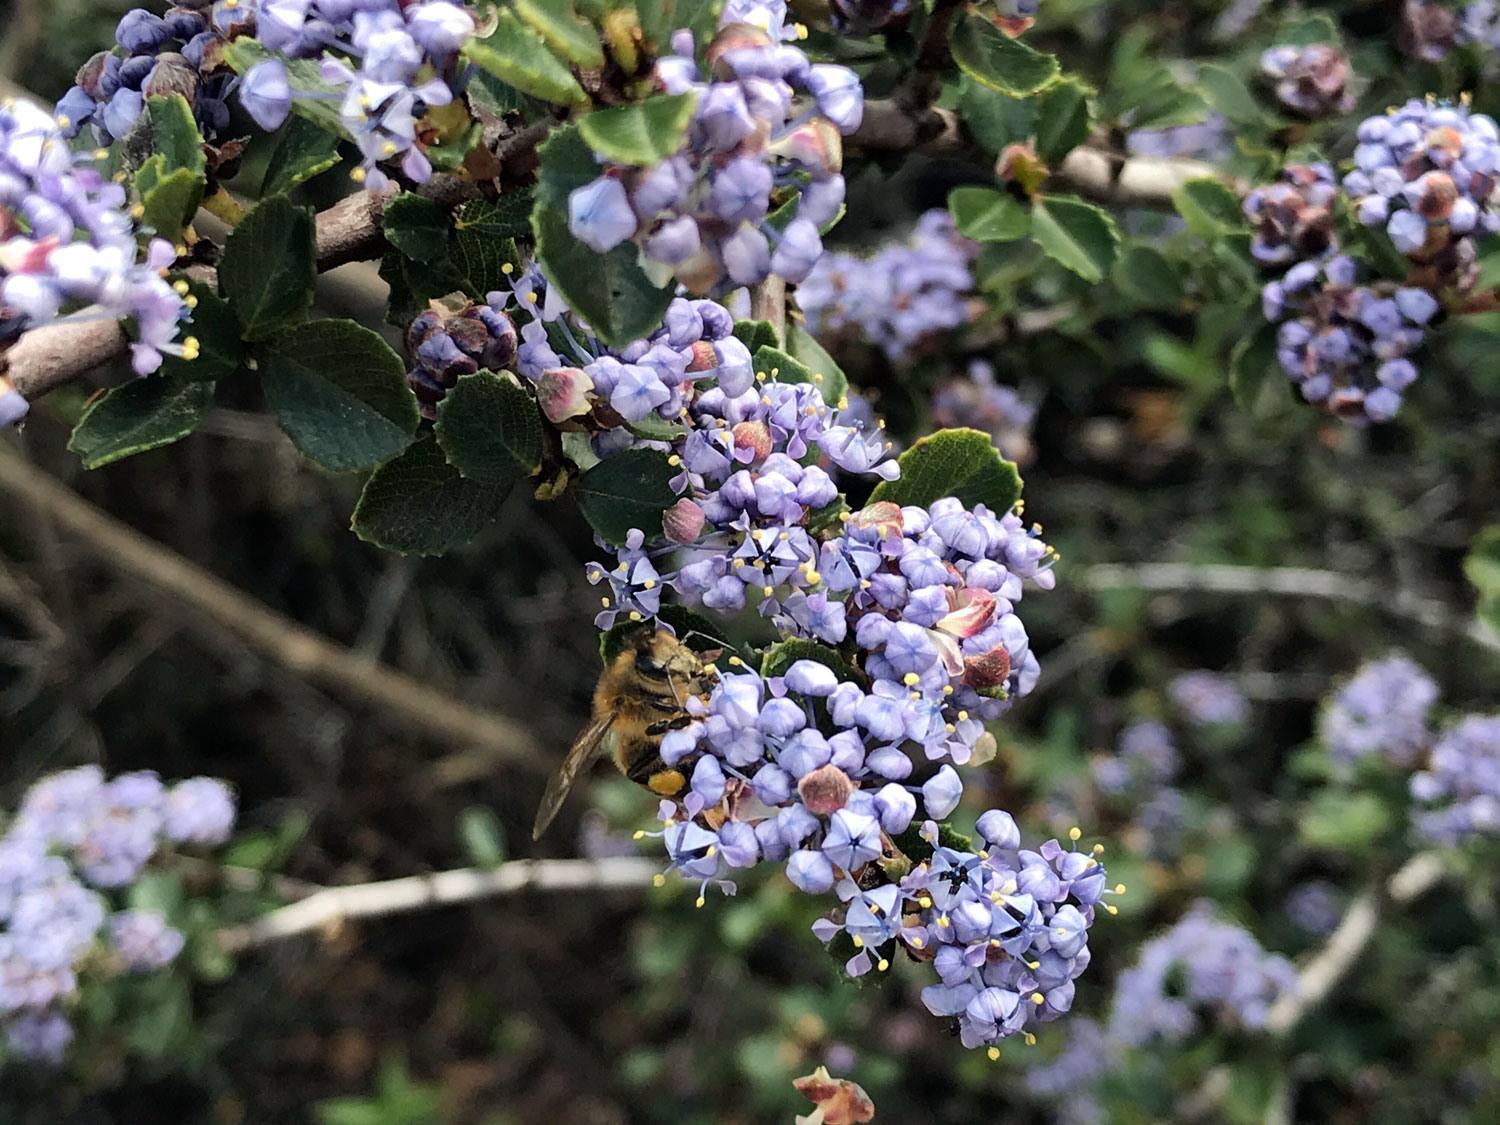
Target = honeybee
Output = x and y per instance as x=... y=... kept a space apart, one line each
x=640 y=697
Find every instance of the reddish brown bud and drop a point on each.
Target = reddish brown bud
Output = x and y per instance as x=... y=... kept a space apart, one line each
x=704 y=358
x=682 y=522
x=825 y=790
x=989 y=670
x=754 y=436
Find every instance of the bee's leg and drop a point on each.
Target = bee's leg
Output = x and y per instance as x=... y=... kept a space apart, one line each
x=650 y=771
x=676 y=723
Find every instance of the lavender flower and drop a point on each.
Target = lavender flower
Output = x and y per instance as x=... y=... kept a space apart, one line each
x=1315 y=907
x=67 y=240
x=1311 y=80
x=143 y=939
x=976 y=401
x=1208 y=699
x=1222 y=969
x=701 y=215
x=1461 y=784
x=1347 y=346
x=1383 y=711
x=908 y=293
x=1208 y=138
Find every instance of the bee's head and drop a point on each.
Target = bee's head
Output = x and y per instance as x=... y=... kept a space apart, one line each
x=658 y=655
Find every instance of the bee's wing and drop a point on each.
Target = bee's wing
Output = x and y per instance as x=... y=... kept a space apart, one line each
x=562 y=781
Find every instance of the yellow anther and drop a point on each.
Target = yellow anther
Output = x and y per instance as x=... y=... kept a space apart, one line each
x=700 y=902
x=1119 y=888
x=1037 y=999
x=357 y=175
x=994 y=1053
x=708 y=852
x=63 y=121
x=390 y=148
x=910 y=679
x=859 y=942
x=101 y=154
x=604 y=602
x=190 y=301
x=137 y=210
x=1112 y=909
x=917 y=943
x=775 y=371
x=507 y=269
x=252 y=364
x=1075 y=833
x=190 y=348
x=943 y=922
x=995 y=942
x=813 y=577
x=925 y=902
x=947 y=689
x=638 y=834
x=1030 y=1039
x=1090 y=864
x=817 y=377
x=844 y=402
x=844 y=517
x=882 y=965
x=736 y=661
x=737 y=563
x=1008 y=887
x=649 y=584
x=1098 y=849
x=963 y=716
x=1033 y=965
x=949 y=728
x=635 y=615
x=767 y=590
x=658 y=880
x=532 y=297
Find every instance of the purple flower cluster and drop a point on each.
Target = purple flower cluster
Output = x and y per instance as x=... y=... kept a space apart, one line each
x=1315 y=907
x=1145 y=760
x=1462 y=782
x=1382 y=711
x=1312 y=81
x=1480 y=23
x=1293 y=217
x=76 y=832
x=66 y=240
x=1428 y=30
x=450 y=342
x=1208 y=699
x=1425 y=172
x=976 y=401
x=1208 y=139
x=1005 y=929
x=1087 y=1054
x=1346 y=345
x=908 y=292
x=178 y=53
x=701 y=215
x=1221 y=968
x=407 y=63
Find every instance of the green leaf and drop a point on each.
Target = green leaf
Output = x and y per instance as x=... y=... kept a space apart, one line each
x=413 y=284
x=169 y=199
x=490 y=430
x=507 y=217
x=1308 y=29
x=1228 y=94
x=174 y=133
x=420 y=504
x=1254 y=373
x=1345 y=821
x=788 y=370
x=1209 y=208
x=783 y=654
x=699 y=633
x=1076 y=235
x=960 y=463
x=339 y=392
x=269 y=266
x=627 y=490
x=565 y=163
x=1062 y=120
x=481 y=259
x=1482 y=567
x=304 y=76
x=995 y=119
x=140 y=415
x=802 y=346
x=303 y=150
x=518 y=56
x=987 y=215
x=214 y=326
x=483 y=839
x=563 y=31
x=755 y=334
x=416 y=226
x=1143 y=275
x=992 y=58
x=610 y=291
x=641 y=133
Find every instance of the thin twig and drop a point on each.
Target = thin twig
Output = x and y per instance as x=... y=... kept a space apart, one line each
x=219 y=607
x=768 y=302
x=1133 y=181
x=417 y=892
x=1321 y=975
x=1299 y=582
x=921 y=83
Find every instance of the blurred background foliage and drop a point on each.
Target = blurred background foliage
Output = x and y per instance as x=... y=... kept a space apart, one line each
x=636 y=1007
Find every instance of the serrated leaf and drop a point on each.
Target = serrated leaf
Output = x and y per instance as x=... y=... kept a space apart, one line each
x=303 y=150
x=783 y=654
x=804 y=348
x=640 y=133
x=1209 y=208
x=960 y=463
x=699 y=633
x=1227 y=93
x=303 y=75
x=481 y=260
x=627 y=490
x=563 y=31
x=1143 y=275
x=339 y=392
x=413 y=284
x=1076 y=235
x=788 y=370
x=610 y=291
x=489 y=430
x=992 y=58
x=169 y=199
x=213 y=325
x=507 y=217
x=140 y=415
x=420 y=504
x=995 y=119
x=517 y=55
x=499 y=98
x=755 y=334
x=174 y=133
x=987 y=215
x=416 y=226
x=269 y=267
x=1062 y=120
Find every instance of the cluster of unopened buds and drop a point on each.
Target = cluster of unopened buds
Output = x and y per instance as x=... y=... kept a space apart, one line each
x=1312 y=81
x=404 y=63
x=1293 y=218
x=67 y=240
x=703 y=215
x=76 y=838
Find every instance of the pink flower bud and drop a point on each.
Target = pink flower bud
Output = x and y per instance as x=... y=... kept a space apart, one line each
x=825 y=790
x=683 y=521
x=562 y=393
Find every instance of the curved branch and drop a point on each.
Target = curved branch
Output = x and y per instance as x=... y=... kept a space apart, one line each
x=218 y=607
x=397 y=896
